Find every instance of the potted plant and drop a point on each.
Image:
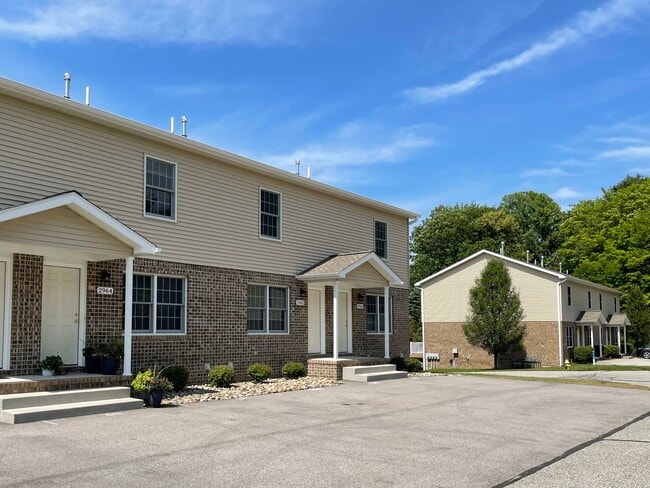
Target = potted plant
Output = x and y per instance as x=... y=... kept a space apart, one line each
x=110 y=356
x=153 y=385
x=92 y=360
x=51 y=365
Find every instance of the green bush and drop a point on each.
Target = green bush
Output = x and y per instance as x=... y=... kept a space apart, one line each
x=221 y=376
x=611 y=351
x=52 y=363
x=399 y=362
x=294 y=370
x=151 y=380
x=582 y=354
x=178 y=375
x=413 y=365
x=259 y=372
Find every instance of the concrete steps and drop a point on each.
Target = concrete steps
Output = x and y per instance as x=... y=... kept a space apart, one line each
x=377 y=372
x=32 y=407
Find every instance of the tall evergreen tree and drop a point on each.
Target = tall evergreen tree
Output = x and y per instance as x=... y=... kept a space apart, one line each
x=495 y=319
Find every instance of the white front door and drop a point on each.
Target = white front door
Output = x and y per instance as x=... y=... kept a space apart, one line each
x=3 y=277
x=60 y=322
x=343 y=322
x=313 y=332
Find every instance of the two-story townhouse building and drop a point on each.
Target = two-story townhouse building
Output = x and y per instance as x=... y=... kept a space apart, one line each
x=560 y=312
x=111 y=229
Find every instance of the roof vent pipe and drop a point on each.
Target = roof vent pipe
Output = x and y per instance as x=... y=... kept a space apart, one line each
x=297 y=166
x=66 y=79
x=308 y=172
x=560 y=266
x=171 y=125
x=527 y=256
x=87 y=95
x=503 y=248
x=542 y=261
x=184 y=122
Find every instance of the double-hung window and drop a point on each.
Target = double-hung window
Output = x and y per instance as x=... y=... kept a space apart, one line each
x=568 y=295
x=160 y=189
x=615 y=305
x=375 y=310
x=270 y=214
x=268 y=309
x=381 y=239
x=589 y=299
x=158 y=304
x=600 y=301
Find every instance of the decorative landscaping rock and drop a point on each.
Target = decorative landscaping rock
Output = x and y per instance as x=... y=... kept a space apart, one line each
x=205 y=393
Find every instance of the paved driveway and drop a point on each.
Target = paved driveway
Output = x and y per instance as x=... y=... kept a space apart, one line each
x=632 y=377
x=445 y=431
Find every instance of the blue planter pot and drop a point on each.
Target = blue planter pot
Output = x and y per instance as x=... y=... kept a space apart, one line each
x=109 y=366
x=153 y=398
x=92 y=364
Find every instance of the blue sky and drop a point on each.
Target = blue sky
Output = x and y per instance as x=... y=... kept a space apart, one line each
x=415 y=103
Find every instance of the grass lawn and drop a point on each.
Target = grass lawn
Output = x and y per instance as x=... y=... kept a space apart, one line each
x=574 y=367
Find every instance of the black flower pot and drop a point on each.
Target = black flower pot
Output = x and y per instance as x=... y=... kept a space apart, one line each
x=154 y=398
x=109 y=366
x=92 y=364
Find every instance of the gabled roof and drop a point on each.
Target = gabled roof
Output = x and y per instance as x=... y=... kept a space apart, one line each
x=338 y=266
x=618 y=318
x=591 y=317
x=84 y=112
x=89 y=211
x=550 y=273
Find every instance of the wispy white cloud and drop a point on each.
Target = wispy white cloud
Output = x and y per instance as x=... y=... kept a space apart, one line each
x=187 y=90
x=630 y=152
x=638 y=170
x=621 y=140
x=544 y=172
x=588 y=23
x=156 y=21
x=566 y=193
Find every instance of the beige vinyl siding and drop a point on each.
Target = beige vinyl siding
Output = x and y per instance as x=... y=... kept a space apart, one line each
x=366 y=276
x=580 y=302
x=43 y=152
x=445 y=299
x=62 y=227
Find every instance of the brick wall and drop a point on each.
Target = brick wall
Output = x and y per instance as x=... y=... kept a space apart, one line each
x=26 y=313
x=541 y=340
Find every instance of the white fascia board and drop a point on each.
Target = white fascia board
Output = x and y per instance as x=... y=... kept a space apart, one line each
x=555 y=274
x=379 y=265
x=90 y=212
x=591 y=284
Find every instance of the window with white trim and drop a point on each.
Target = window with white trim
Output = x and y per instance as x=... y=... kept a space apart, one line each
x=381 y=239
x=375 y=310
x=615 y=305
x=160 y=189
x=270 y=214
x=568 y=295
x=600 y=301
x=268 y=309
x=569 y=336
x=589 y=298
x=159 y=304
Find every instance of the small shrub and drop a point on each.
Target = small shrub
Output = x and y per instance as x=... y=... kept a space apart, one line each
x=611 y=351
x=294 y=370
x=151 y=380
x=178 y=375
x=259 y=372
x=399 y=362
x=221 y=376
x=582 y=354
x=413 y=365
x=52 y=363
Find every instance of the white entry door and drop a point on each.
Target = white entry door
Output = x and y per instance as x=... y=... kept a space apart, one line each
x=3 y=276
x=60 y=322
x=313 y=332
x=343 y=322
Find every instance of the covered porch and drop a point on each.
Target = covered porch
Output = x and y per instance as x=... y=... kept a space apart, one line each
x=51 y=285
x=350 y=313
x=592 y=329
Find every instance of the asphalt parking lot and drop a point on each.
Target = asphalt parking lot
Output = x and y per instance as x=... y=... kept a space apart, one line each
x=442 y=431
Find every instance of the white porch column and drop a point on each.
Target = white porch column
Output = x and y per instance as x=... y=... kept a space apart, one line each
x=625 y=338
x=386 y=322
x=128 y=310
x=600 y=330
x=593 y=345
x=618 y=337
x=335 y=316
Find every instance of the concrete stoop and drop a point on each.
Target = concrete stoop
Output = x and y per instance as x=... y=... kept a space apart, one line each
x=377 y=372
x=33 y=407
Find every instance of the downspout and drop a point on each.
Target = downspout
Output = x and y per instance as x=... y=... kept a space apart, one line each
x=424 y=351
x=559 y=320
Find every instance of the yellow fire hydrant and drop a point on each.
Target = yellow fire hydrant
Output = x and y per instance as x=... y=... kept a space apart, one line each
x=567 y=364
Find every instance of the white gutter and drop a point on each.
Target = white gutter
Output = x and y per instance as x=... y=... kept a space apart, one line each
x=559 y=320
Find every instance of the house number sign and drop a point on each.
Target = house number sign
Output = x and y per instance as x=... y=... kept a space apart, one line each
x=104 y=290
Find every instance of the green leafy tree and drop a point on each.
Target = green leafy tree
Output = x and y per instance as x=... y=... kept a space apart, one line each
x=539 y=218
x=607 y=240
x=495 y=319
x=638 y=312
